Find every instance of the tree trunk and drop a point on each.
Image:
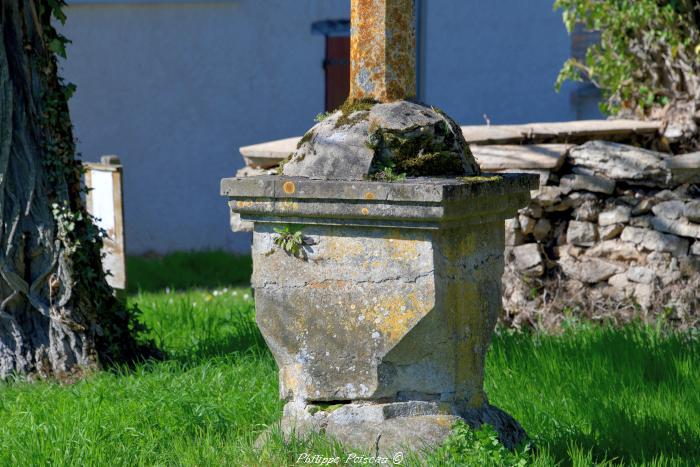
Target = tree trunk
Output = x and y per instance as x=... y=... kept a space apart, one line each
x=57 y=314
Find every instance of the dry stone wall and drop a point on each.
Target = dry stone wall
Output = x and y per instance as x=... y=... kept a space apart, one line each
x=612 y=234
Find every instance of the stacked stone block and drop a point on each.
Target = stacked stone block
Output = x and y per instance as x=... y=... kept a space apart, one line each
x=614 y=233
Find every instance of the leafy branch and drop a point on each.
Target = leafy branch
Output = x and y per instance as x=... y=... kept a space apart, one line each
x=647 y=63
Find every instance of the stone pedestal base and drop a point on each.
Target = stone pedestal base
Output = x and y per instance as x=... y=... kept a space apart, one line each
x=398 y=427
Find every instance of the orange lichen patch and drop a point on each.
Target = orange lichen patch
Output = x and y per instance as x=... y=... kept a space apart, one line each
x=289 y=187
x=244 y=204
x=369 y=195
x=365 y=211
x=382 y=50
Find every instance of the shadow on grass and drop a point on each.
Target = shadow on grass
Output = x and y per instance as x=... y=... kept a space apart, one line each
x=246 y=340
x=180 y=271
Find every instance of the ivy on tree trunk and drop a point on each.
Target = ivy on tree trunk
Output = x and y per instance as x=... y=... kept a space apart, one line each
x=58 y=316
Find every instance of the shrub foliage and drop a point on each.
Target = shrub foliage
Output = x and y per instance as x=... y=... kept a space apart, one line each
x=647 y=62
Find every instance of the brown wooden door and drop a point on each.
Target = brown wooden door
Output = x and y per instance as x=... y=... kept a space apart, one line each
x=337 y=66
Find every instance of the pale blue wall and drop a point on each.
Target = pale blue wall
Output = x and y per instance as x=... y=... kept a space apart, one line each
x=175 y=87
x=497 y=57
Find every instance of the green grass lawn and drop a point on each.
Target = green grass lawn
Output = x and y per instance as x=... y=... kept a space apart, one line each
x=591 y=395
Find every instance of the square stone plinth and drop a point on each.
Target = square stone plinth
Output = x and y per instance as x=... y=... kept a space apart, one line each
x=396 y=290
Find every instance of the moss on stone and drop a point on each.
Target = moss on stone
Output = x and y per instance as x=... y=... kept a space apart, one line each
x=354 y=111
x=425 y=151
x=432 y=163
x=475 y=179
x=357 y=105
x=280 y=167
x=308 y=136
x=329 y=407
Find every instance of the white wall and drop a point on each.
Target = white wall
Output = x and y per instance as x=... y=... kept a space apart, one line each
x=175 y=87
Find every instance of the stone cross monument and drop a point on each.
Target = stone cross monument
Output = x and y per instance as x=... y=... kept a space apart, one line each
x=378 y=255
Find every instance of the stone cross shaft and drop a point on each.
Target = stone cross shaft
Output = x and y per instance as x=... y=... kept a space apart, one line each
x=382 y=50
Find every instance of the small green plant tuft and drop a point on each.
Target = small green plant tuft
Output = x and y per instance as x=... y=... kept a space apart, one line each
x=291 y=240
x=480 y=447
x=359 y=108
x=279 y=170
x=386 y=173
x=322 y=116
x=357 y=105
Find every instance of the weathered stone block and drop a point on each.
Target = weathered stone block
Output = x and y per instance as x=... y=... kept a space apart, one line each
x=657 y=241
x=622 y=163
x=592 y=183
x=582 y=233
x=616 y=250
x=611 y=231
x=351 y=144
x=615 y=215
x=633 y=235
x=588 y=211
x=397 y=289
x=641 y=275
x=528 y=259
x=692 y=211
x=589 y=270
x=527 y=224
x=681 y=227
x=669 y=209
x=514 y=235
x=695 y=249
x=644 y=206
x=542 y=229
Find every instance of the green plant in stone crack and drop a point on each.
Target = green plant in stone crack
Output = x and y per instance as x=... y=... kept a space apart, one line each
x=386 y=173
x=291 y=239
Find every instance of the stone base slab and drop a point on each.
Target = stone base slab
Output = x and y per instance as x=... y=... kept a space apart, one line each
x=391 y=428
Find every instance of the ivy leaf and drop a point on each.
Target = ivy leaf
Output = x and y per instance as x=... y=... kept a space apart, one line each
x=56 y=10
x=58 y=47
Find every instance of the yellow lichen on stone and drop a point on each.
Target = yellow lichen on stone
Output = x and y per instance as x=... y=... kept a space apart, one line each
x=402 y=249
x=338 y=248
x=289 y=206
x=289 y=188
x=289 y=379
x=395 y=315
